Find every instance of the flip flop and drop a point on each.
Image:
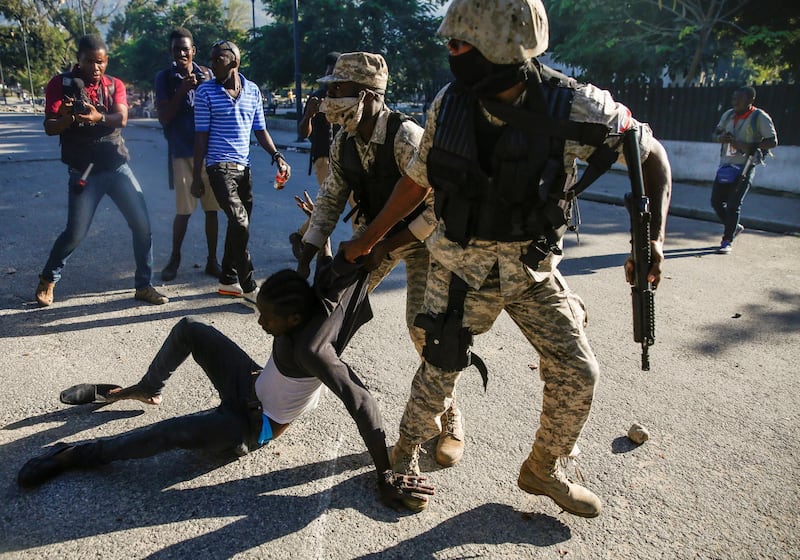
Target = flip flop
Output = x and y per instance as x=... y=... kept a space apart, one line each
x=87 y=393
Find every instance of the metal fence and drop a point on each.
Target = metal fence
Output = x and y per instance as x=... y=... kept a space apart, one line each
x=691 y=113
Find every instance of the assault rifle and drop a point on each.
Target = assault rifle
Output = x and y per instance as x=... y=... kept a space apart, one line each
x=638 y=206
x=754 y=156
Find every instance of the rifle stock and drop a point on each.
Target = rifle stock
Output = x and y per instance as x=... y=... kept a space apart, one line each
x=638 y=206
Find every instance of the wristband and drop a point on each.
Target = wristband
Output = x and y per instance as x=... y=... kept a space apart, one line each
x=277 y=155
x=103 y=118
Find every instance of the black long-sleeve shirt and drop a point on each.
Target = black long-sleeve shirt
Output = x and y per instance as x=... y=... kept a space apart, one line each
x=313 y=350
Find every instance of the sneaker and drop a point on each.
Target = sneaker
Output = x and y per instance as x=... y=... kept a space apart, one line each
x=44 y=292
x=230 y=290
x=252 y=296
x=450 y=447
x=725 y=247
x=540 y=475
x=739 y=229
x=212 y=267
x=150 y=295
x=171 y=270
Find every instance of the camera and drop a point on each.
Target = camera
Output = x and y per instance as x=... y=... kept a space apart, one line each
x=79 y=107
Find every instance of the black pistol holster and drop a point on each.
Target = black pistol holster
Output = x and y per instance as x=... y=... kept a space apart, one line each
x=448 y=342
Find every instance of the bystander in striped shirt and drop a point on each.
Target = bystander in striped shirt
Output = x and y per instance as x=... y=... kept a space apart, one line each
x=228 y=121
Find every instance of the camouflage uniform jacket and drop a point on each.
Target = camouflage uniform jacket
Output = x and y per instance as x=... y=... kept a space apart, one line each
x=474 y=262
x=334 y=192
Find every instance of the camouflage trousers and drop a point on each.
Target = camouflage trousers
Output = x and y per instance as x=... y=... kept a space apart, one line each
x=552 y=318
x=416 y=258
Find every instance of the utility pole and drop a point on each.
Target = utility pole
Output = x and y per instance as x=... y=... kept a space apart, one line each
x=298 y=86
x=80 y=9
x=27 y=59
x=3 y=84
x=253 y=2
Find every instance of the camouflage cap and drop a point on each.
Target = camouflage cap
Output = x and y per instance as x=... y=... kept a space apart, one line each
x=363 y=68
x=504 y=31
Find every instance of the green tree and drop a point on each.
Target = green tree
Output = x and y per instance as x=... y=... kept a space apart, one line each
x=640 y=38
x=139 y=38
x=772 y=38
x=403 y=31
x=34 y=23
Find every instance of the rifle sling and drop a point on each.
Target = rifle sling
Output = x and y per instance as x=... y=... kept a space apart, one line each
x=456 y=295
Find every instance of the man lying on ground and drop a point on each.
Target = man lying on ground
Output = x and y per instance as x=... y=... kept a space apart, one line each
x=310 y=326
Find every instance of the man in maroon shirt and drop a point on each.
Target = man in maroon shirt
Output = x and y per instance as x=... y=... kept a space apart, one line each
x=87 y=109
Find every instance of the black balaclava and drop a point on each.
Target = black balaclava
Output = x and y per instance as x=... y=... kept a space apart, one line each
x=485 y=78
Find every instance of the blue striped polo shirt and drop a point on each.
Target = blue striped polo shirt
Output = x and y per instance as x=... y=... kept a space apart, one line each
x=228 y=121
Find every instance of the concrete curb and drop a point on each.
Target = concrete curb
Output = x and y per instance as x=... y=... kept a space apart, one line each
x=700 y=214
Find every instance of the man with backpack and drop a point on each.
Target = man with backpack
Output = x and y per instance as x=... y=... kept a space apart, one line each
x=175 y=88
x=745 y=133
x=87 y=108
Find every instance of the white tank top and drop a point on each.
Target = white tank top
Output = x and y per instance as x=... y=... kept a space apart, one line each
x=283 y=398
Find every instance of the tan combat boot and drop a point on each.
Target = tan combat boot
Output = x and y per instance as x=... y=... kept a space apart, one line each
x=405 y=460
x=44 y=292
x=540 y=475
x=450 y=448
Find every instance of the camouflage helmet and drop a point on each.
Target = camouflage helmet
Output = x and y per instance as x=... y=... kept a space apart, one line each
x=504 y=31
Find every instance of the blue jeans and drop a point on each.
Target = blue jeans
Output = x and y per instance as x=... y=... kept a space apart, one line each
x=124 y=190
x=233 y=423
x=726 y=199
x=233 y=189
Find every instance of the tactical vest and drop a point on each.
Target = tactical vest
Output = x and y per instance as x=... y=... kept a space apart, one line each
x=98 y=144
x=505 y=183
x=372 y=188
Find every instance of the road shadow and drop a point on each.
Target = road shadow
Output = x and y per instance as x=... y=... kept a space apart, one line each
x=55 y=319
x=778 y=313
x=623 y=444
x=60 y=425
x=261 y=513
x=136 y=494
x=580 y=266
x=488 y=524
x=690 y=252
x=74 y=414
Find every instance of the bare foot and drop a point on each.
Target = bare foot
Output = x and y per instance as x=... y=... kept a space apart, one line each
x=135 y=393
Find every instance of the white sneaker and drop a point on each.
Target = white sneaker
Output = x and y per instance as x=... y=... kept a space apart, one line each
x=251 y=297
x=230 y=290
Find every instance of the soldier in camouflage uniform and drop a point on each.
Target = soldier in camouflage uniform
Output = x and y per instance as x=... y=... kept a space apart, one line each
x=367 y=158
x=499 y=190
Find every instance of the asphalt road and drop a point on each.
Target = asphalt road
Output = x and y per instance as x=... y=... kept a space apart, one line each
x=717 y=479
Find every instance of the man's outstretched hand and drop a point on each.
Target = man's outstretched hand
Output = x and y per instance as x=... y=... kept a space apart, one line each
x=393 y=487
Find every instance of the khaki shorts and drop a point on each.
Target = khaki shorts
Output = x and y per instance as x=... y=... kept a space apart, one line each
x=322 y=167
x=182 y=174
